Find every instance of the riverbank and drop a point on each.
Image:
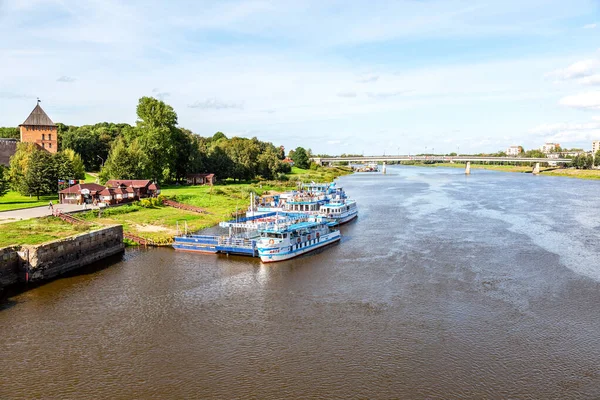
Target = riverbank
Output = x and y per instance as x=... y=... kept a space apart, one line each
x=160 y=223
x=591 y=174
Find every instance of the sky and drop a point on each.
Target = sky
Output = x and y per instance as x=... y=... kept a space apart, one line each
x=356 y=77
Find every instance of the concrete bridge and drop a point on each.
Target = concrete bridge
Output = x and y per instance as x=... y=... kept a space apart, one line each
x=461 y=159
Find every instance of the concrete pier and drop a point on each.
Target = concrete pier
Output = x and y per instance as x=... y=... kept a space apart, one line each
x=468 y=168
x=31 y=263
x=383 y=168
x=536 y=168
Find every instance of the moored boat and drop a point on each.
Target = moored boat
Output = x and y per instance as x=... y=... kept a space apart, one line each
x=339 y=211
x=278 y=243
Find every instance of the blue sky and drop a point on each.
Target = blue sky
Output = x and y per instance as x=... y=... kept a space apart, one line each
x=335 y=76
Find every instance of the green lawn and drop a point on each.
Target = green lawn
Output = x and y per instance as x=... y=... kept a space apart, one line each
x=321 y=174
x=13 y=200
x=38 y=230
x=89 y=178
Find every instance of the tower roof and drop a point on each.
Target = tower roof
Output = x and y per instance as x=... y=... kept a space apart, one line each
x=38 y=118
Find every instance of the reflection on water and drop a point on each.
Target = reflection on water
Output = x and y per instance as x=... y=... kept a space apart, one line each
x=447 y=286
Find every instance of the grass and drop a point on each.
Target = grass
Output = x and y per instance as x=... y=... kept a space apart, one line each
x=321 y=174
x=90 y=177
x=220 y=201
x=13 y=200
x=38 y=230
x=160 y=223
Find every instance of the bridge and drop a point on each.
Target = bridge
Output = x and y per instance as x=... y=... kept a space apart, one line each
x=460 y=159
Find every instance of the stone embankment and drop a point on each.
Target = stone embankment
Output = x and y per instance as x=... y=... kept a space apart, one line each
x=34 y=263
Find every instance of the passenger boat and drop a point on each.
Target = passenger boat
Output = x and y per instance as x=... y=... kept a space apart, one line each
x=340 y=211
x=278 y=243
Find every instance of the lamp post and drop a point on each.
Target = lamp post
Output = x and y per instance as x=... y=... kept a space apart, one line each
x=102 y=159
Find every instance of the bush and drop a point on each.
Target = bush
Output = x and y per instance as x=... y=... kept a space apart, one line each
x=146 y=203
x=283 y=177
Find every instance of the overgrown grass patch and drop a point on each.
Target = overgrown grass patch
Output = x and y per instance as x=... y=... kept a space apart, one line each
x=39 y=230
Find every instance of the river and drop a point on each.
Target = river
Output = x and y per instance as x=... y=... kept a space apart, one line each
x=447 y=286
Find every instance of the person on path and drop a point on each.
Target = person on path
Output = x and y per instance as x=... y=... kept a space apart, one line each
x=50 y=206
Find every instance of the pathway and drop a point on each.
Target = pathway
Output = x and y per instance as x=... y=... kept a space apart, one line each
x=36 y=212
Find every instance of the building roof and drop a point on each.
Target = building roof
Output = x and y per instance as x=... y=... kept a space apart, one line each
x=107 y=192
x=92 y=187
x=200 y=175
x=38 y=118
x=136 y=183
x=153 y=186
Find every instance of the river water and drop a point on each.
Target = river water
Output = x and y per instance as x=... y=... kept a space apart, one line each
x=447 y=286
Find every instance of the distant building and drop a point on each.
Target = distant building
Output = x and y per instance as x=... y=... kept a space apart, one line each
x=595 y=146
x=288 y=160
x=200 y=179
x=549 y=147
x=38 y=128
x=513 y=150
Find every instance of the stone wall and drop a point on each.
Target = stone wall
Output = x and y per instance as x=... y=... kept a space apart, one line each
x=48 y=260
x=10 y=266
x=8 y=147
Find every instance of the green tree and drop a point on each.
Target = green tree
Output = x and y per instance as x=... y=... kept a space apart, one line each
x=124 y=162
x=41 y=177
x=157 y=137
x=4 y=180
x=76 y=163
x=10 y=133
x=597 y=158
x=19 y=163
x=300 y=158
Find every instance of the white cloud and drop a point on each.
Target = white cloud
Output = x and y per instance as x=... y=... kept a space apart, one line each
x=577 y=70
x=368 y=79
x=334 y=141
x=66 y=79
x=213 y=103
x=585 y=100
x=590 y=26
x=590 y=80
x=347 y=94
x=384 y=95
x=568 y=132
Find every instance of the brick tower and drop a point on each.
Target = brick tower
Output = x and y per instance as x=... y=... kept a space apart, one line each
x=38 y=128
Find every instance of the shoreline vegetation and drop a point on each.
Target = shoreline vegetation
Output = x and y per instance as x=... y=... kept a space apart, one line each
x=590 y=174
x=160 y=223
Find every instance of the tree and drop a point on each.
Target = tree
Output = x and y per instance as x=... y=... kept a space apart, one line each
x=19 y=163
x=300 y=158
x=124 y=162
x=76 y=164
x=4 y=182
x=157 y=130
x=597 y=159
x=41 y=177
x=10 y=133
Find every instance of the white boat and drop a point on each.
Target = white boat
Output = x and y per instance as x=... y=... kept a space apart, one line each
x=340 y=211
x=278 y=243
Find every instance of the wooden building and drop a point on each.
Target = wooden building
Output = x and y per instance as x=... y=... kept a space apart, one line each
x=38 y=128
x=200 y=179
x=80 y=193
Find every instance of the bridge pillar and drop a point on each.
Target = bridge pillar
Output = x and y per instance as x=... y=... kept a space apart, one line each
x=383 y=168
x=536 y=168
x=468 y=168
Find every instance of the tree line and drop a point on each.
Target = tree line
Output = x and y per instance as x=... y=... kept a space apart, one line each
x=154 y=148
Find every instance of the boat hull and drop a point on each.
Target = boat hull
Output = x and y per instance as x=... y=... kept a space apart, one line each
x=268 y=256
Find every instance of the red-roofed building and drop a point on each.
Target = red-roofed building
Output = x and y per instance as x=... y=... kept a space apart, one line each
x=139 y=188
x=80 y=193
x=288 y=161
x=200 y=179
